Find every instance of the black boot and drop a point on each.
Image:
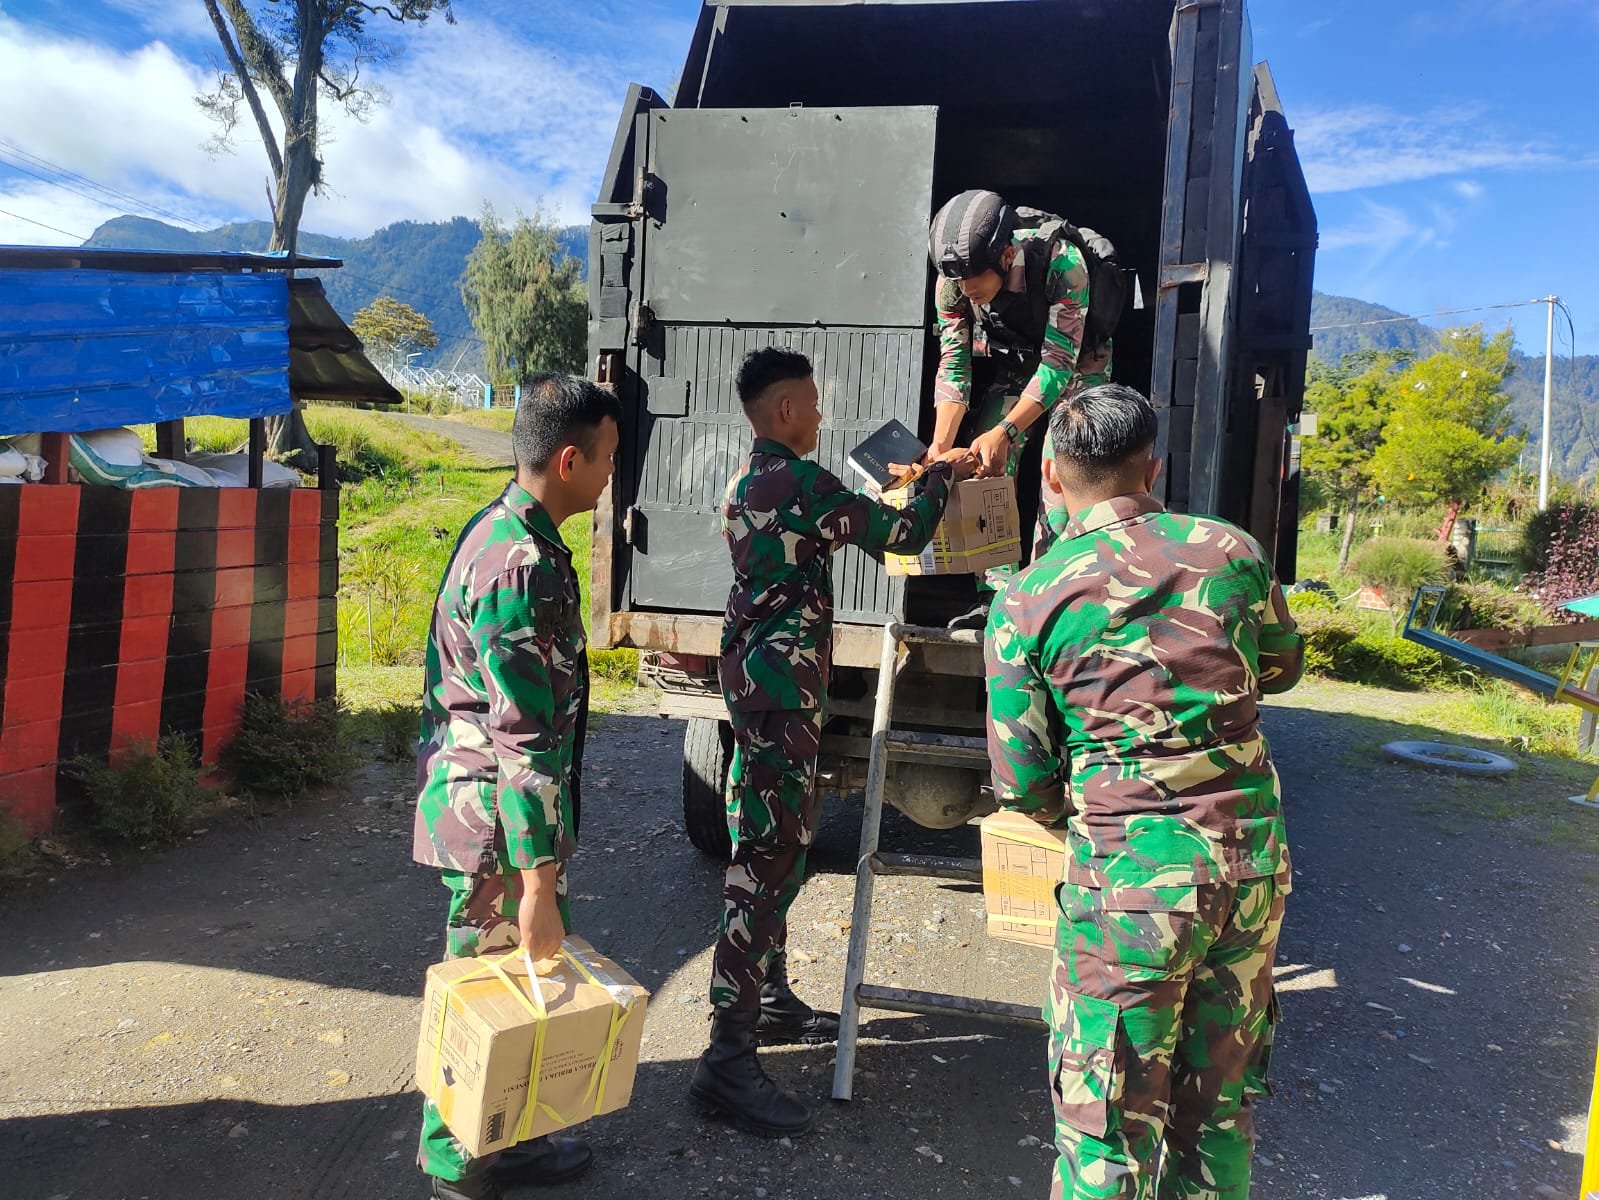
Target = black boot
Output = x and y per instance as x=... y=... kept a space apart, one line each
x=785 y=1017
x=479 y=1185
x=729 y=1080
x=543 y=1161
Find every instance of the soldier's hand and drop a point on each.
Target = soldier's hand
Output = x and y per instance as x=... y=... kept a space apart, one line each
x=962 y=462
x=538 y=915
x=992 y=449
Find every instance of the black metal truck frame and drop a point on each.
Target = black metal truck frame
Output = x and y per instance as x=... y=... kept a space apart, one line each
x=784 y=196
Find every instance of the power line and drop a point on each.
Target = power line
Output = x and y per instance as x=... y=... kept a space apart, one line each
x=1443 y=312
x=114 y=193
x=42 y=225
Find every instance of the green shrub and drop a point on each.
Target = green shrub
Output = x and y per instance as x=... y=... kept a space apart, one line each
x=1304 y=602
x=1489 y=606
x=618 y=665
x=398 y=727
x=380 y=592
x=1395 y=663
x=151 y=797
x=1326 y=632
x=1399 y=566
x=15 y=845
x=285 y=747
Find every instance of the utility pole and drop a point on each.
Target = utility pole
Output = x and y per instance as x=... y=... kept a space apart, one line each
x=1548 y=390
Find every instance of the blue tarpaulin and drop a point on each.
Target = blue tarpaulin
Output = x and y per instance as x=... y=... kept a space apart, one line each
x=84 y=349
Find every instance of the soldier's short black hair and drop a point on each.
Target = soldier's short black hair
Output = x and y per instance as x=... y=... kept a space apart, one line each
x=559 y=410
x=1096 y=431
x=766 y=366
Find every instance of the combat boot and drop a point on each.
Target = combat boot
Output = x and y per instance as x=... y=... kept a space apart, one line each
x=729 y=1080
x=542 y=1162
x=785 y=1017
x=479 y=1185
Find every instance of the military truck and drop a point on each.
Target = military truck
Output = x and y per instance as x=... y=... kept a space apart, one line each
x=783 y=196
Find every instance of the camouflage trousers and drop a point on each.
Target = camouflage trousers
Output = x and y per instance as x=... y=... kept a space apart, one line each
x=1161 y=1015
x=991 y=407
x=482 y=917
x=772 y=812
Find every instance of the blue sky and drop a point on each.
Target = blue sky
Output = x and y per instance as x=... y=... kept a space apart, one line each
x=1451 y=147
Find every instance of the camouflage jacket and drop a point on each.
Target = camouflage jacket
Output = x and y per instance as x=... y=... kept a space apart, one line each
x=1066 y=288
x=783 y=516
x=507 y=678
x=1124 y=672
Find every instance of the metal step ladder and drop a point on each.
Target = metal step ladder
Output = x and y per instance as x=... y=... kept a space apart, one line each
x=889 y=743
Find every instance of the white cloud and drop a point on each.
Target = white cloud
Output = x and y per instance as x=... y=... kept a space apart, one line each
x=31 y=214
x=1383 y=229
x=167 y=18
x=475 y=111
x=1371 y=146
x=1468 y=189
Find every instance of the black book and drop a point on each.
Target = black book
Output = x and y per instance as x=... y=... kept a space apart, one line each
x=893 y=443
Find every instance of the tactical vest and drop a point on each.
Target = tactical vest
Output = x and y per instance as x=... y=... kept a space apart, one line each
x=1013 y=325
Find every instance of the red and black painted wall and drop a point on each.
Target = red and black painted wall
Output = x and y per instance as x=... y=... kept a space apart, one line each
x=125 y=615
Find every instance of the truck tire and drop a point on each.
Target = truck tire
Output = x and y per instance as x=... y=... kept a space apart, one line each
x=707 y=753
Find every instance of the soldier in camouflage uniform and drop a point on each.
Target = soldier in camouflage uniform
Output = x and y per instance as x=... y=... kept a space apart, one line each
x=989 y=306
x=505 y=692
x=1125 y=668
x=783 y=517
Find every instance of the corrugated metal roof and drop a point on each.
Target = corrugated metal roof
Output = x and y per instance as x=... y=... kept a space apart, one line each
x=93 y=349
x=326 y=359
x=103 y=258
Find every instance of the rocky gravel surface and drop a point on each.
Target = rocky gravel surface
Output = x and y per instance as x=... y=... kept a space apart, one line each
x=237 y=1016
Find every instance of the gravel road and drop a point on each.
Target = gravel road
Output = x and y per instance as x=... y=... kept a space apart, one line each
x=237 y=1016
x=486 y=443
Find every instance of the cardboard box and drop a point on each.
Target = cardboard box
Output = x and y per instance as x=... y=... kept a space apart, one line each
x=1022 y=863
x=980 y=529
x=480 y=1043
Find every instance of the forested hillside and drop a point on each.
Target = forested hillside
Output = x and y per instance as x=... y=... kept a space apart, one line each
x=421 y=264
x=1574 y=415
x=417 y=262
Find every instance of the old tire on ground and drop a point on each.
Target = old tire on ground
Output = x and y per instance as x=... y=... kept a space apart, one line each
x=1466 y=759
x=707 y=752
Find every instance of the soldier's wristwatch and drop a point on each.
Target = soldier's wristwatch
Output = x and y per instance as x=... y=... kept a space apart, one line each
x=1010 y=429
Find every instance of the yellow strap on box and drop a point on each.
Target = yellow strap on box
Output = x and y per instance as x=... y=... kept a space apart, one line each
x=540 y=1011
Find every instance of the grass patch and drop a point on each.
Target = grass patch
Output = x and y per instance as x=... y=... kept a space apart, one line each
x=1499 y=713
x=497 y=419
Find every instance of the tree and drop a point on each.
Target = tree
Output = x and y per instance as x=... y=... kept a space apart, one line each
x=1351 y=402
x=393 y=327
x=1448 y=434
x=525 y=297
x=297 y=52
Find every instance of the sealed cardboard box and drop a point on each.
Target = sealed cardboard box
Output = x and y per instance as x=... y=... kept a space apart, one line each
x=980 y=529
x=1022 y=863
x=484 y=1039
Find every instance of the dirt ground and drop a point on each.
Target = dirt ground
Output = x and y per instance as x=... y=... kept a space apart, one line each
x=237 y=1016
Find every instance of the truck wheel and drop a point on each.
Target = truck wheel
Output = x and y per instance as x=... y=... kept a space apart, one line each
x=707 y=753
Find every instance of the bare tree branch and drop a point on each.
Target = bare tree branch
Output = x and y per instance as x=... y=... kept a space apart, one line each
x=247 y=87
x=256 y=48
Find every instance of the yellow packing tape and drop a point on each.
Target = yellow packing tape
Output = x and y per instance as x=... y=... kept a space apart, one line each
x=540 y=1011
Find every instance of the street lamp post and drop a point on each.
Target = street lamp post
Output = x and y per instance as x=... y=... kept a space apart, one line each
x=1548 y=391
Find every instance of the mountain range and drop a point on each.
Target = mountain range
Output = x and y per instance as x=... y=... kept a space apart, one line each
x=421 y=263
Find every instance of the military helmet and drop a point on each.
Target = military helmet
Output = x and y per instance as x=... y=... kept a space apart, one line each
x=970 y=233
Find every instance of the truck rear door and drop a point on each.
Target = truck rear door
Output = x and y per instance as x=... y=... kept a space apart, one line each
x=800 y=227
